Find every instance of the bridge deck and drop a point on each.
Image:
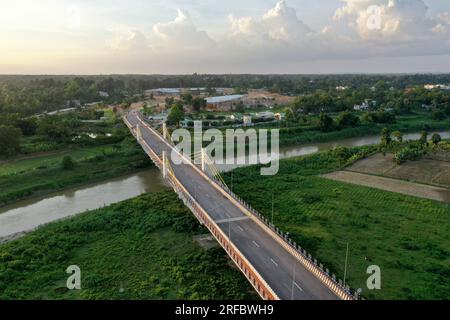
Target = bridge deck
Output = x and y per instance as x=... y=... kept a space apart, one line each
x=285 y=274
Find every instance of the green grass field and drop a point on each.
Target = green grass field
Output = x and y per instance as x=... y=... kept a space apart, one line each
x=50 y=159
x=138 y=249
x=407 y=237
x=44 y=174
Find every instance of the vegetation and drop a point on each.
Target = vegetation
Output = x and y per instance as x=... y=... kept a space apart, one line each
x=50 y=172
x=406 y=236
x=138 y=249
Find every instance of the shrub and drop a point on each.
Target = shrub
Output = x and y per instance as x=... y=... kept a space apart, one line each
x=408 y=153
x=439 y=115
x=68 y=163
x=436 y=138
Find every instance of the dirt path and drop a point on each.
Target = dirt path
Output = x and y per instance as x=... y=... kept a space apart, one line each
x=393 y=185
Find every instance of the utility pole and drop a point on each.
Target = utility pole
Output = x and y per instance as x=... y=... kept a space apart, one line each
x=345 y=269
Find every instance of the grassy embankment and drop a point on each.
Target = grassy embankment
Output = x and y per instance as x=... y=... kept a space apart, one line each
x=405 y=124
x=44 y=173
x=406 y=236
x=138 y=249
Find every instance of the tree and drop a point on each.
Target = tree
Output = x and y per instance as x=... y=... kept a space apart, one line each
x=347 y=119
x=325 y=122
x=386 y=138
x=27 y=126
x=176 y=114
x=198 y=104
x=187 y=98
x=9 y=140
x=68 y=163
x=436 y=138
x=423 y=137
x=53 y=128
x=398 y=135
x=439 y=115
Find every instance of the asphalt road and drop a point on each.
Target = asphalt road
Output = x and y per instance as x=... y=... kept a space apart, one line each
x=285 y=274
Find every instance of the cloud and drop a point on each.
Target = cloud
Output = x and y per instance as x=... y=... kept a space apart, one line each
x=387 y=20
x=181 y=32
x=278 y=24
x=129 y=40
x=360 y=29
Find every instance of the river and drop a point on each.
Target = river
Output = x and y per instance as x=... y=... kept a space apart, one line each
x=27 y=215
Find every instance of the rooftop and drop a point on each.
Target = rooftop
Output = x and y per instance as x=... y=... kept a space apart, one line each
x=220 y=99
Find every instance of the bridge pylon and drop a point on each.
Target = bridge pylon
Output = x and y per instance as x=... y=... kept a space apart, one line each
x=138 y=132
x=165 y=130
x=164 y=163
x=203 y=159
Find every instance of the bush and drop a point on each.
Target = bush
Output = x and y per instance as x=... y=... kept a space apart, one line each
x=68 y=163
x=408 y=153
x=439 y=115
x=436 y=138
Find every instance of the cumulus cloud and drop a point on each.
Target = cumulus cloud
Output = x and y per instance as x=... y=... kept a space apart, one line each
x=181 y=32
x=387 y=20
x=278 y=24
x=129 y=40
x=359 y=29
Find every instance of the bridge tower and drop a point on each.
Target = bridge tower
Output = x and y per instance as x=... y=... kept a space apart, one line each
x=164 y=163
x=203 y=159
x=165 y=131
x=138 y=133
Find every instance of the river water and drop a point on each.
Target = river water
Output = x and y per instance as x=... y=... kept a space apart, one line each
x=29 y=214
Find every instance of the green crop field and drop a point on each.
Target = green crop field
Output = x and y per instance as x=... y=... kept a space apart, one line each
x=138 y=249
x=407 y=237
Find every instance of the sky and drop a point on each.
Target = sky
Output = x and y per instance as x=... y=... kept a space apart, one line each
x=233 y=36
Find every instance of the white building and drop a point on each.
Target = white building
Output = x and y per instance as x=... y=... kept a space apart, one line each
x=437 y=86
x=103 y=94
x=247 y=120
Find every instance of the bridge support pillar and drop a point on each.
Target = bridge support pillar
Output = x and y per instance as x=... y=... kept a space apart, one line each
x=165 y=131
x=164 y=163
x=203 y=159
x=138 y=133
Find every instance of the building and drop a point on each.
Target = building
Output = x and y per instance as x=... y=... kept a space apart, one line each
x=162 y=117
x=247 y=120
x=103 y=94
x=173 y=92
x=437 y=86
x=265 y=116
x=224 y=103
x=365 y=105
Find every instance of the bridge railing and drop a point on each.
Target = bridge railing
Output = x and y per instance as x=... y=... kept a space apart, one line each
x=255 y=279
x=322 y=273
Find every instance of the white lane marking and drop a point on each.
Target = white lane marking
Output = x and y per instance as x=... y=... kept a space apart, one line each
x=276 y=264
x=255 y=244
x=299 y=288
x=240 y=228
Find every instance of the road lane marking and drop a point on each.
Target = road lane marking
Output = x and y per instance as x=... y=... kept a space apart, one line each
x=240 y=228
x=232 y=220
x=299 y=288
x=276 y=264
x=256 y=244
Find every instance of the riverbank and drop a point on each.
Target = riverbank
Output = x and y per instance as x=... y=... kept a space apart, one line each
x=142 y=248
x=43 y=175
x=406 y=237
x=405 y=124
